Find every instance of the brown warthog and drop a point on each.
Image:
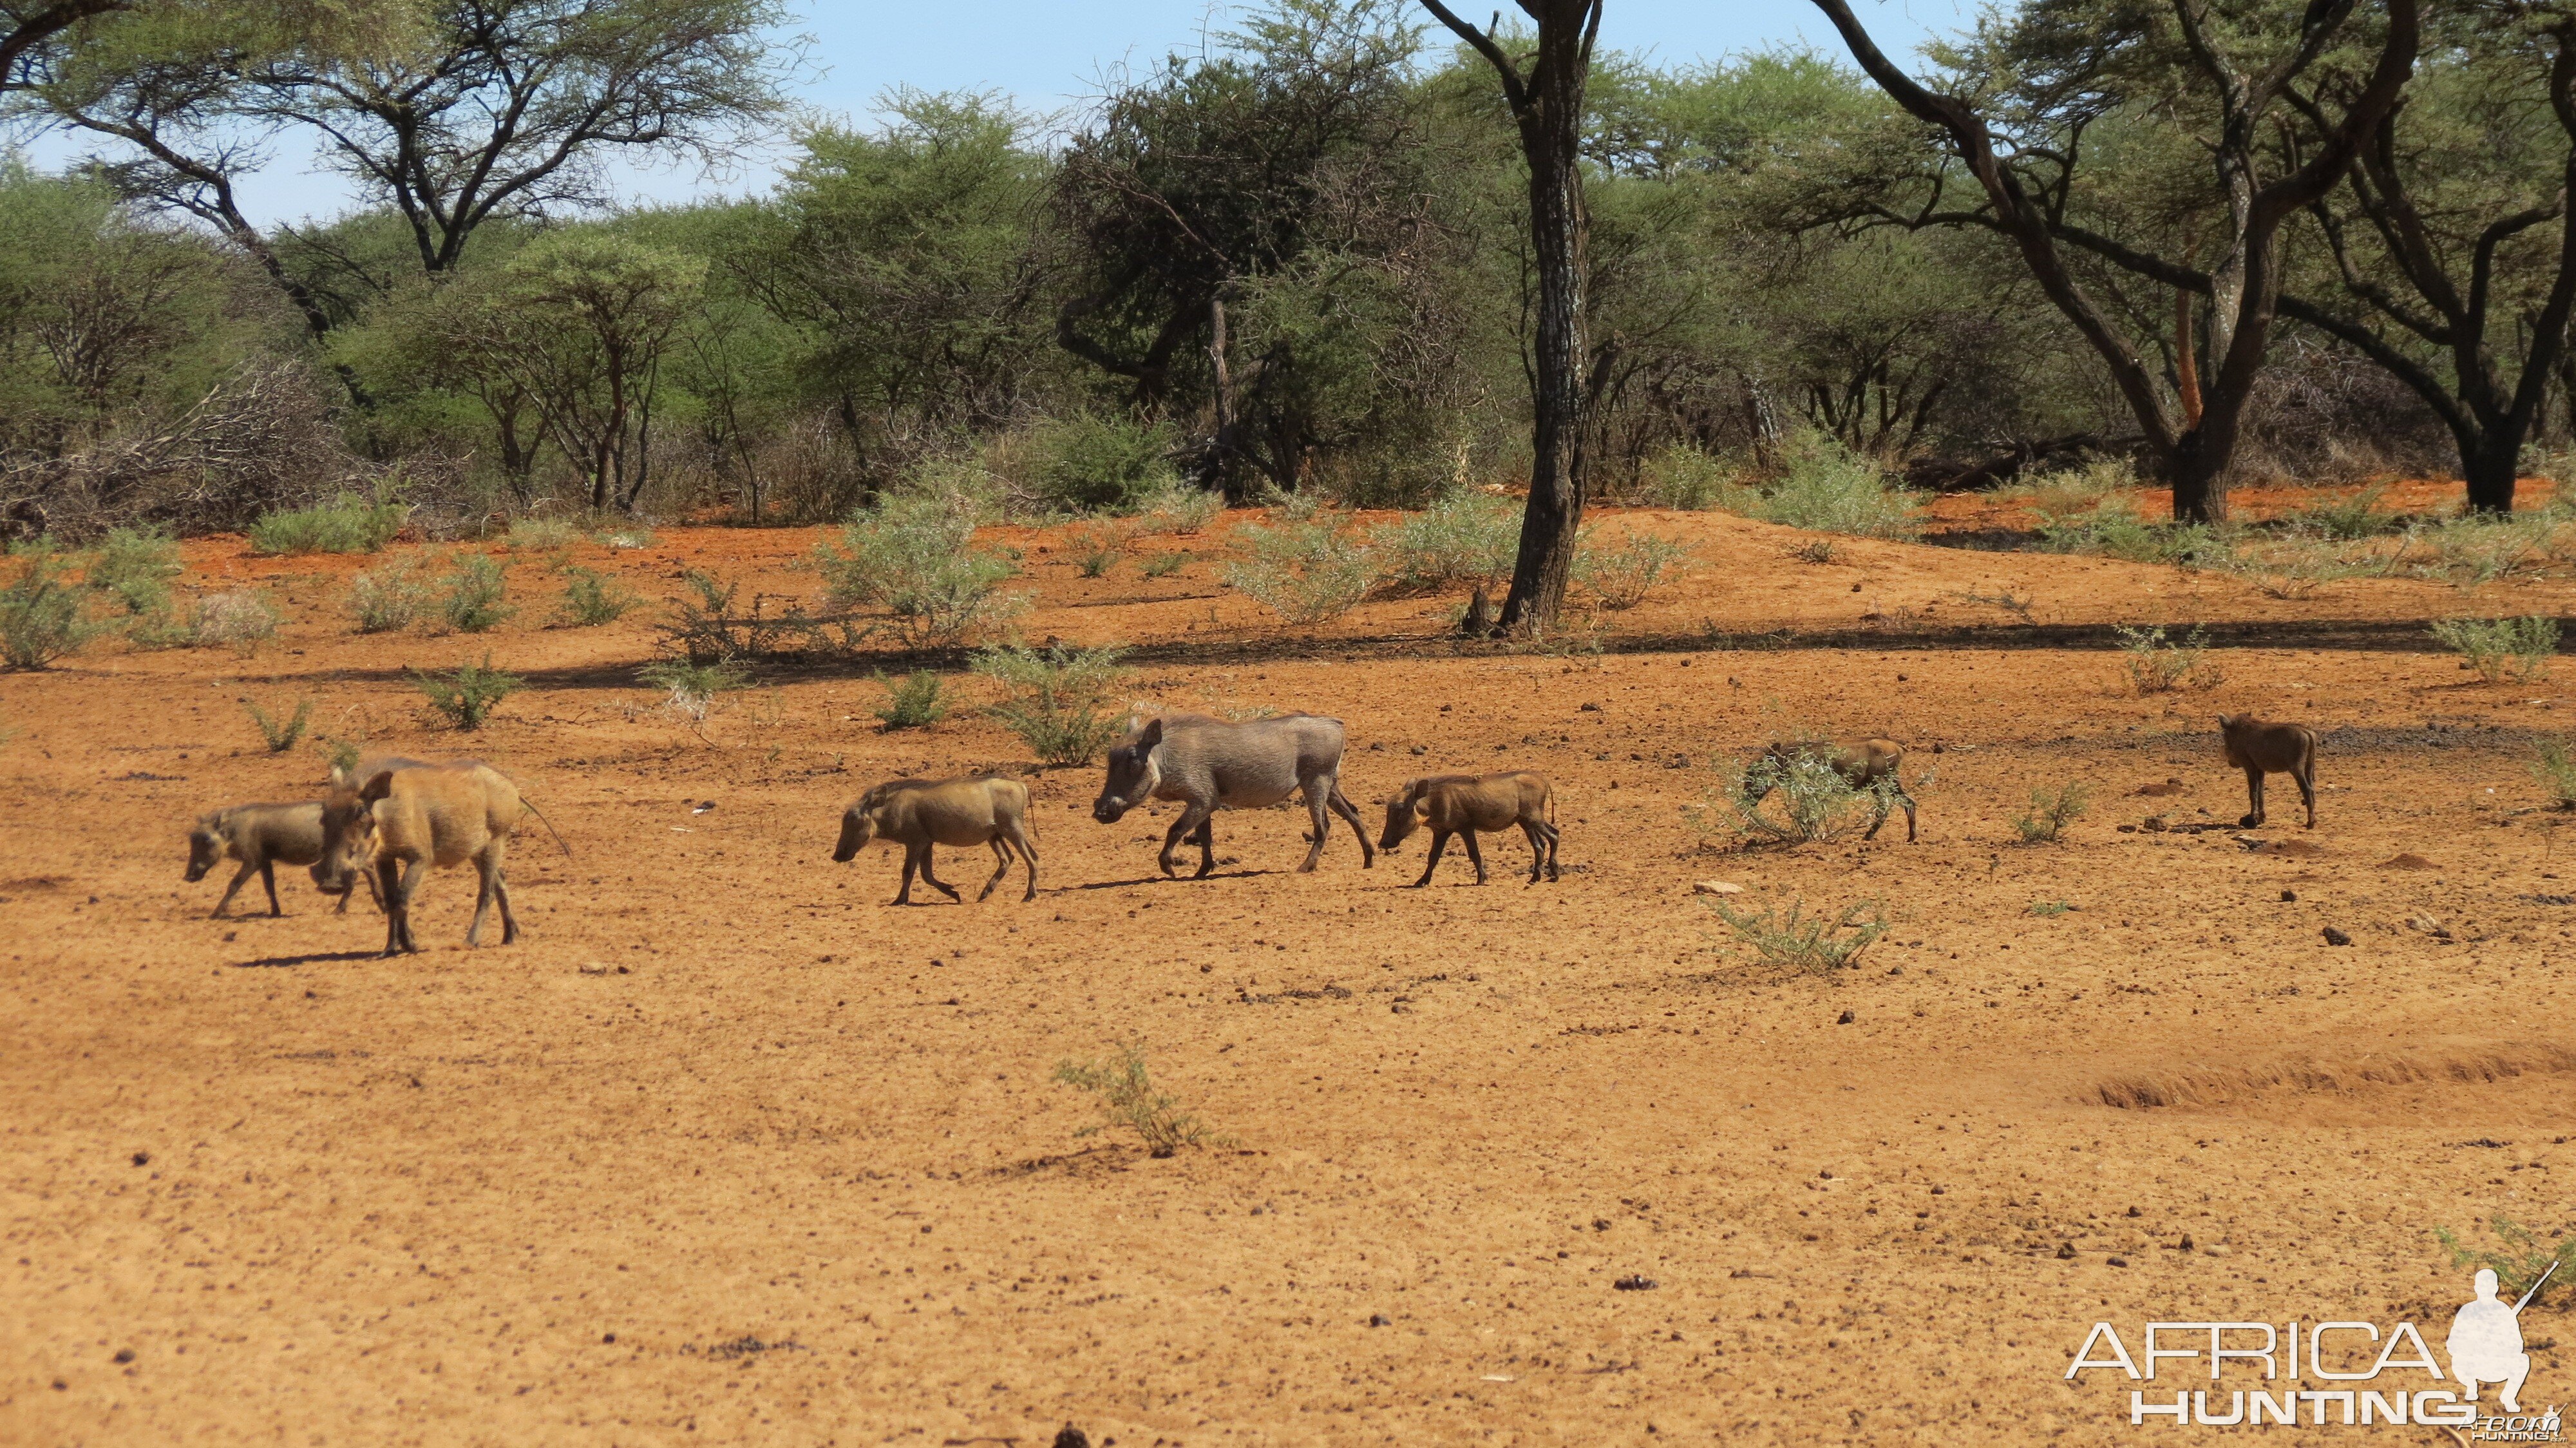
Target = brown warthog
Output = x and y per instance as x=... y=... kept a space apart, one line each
x=262 y=837
x=2259 y=749
x=398 y=822
x=1462 y=804
x=1209 y=764
x=981 y=809
x=1870 y=766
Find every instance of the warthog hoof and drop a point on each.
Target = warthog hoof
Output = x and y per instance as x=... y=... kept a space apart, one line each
x=2249 y=822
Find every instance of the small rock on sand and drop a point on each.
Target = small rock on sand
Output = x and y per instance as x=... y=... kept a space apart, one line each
x=1717 y=887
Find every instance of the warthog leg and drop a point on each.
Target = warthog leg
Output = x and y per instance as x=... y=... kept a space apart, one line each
x=1195 y=819
x=239 y=877
x=1028 y=845
x=1001 y=867
x=1342 y=806
x=1542 y=840
x=2253 y=797
x=401 y=882
x=1439 y=844
x=1317 y=792
x=1475 y=856
x=935 y=883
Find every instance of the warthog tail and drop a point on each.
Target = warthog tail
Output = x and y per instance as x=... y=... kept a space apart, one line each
x=530 y=806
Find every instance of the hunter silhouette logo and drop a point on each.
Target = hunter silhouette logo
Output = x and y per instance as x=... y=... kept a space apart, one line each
x=2486 y=1341
x=2314 y=1373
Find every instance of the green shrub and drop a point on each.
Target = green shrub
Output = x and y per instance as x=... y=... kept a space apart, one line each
x=1305 y=572
x=240 y=620
x=1464 y=539
x=1057 y=700
x=339 y=755
x=912 y=702
x=2497 y=646
x=1622 y=576
x=1817 y=943
x=1816 y=802
x=346 y=524
x=2525 y=1260
x=388 y=598
x=2088 y=487
x=592 y=598
x=280 y=735
x=2556 y=771
x=1091 y=464
x=469 y=599
x=1125 y=1095
x=915 y=557
x=2295 y=563
x=134 y=566
x=2050 y=814
x=1682 y=476
x=40 y=613
x=2157 y=665
x=1826 y=487
x=2475 y=548
x=466 y=696
x=540 y=534
x=1164 y=565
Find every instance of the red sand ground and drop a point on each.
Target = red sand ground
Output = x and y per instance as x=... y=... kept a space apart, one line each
x=727 y=1150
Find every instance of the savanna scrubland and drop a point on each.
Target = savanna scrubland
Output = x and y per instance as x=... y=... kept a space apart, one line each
x=977 y=434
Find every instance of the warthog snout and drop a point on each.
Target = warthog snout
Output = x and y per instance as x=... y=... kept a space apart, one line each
x=1108 y=809
x=857 y=828
x=204 y=850
x=1400 y=822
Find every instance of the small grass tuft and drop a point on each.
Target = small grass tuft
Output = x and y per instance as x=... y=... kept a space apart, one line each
x=538 y=535
x=467 y=695
x=2157 y=665
x=2495 y=647
x=2049 y=909
x=1621 y=576
x=40 y=613
x=1819 y=943
x=470 y=598
x=280 y=735
x=240 y=620
x=693 y=687
x=2051 y=812
x=1307 y=571
x=592 y=598
x=1126 y=1096
x=1164 y=565
x=390 y=598
x=1096 y=547
x=2556 y=771
x=1817 y=803
x=912 y=702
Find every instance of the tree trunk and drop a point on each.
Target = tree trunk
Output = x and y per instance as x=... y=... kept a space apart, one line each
x=2491 y=469
x=2186 y=361
x=1547 y=105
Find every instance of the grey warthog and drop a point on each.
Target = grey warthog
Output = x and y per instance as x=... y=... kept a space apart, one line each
x=1207 y=764
x=262 y=837
x=1870 y=765
x=2259 y=749
x=981 y=809
x=399 y=822
x=1462 y=804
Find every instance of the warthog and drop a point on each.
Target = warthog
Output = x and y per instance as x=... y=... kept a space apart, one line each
x=1870 y=765
x=2259 y=749
x=1462 y=804
x=262 y=837
x=1209 y=764
x=399 y=822
x=982 y=809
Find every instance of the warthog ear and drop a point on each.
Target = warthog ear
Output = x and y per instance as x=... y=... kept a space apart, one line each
x=377 y=787
x=1152 y=735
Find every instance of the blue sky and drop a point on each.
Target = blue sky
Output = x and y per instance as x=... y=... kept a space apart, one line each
x=1050 y=55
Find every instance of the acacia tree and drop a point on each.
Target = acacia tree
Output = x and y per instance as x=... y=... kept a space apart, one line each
x=578 y=325
x=2442 y=238
x=1544 y=93
x=2227 y=76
